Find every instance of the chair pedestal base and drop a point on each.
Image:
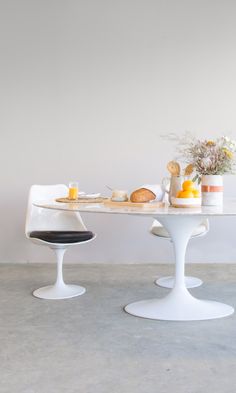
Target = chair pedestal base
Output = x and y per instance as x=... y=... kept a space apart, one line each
x=168 y=282
x=59 y=290
x=56 y=292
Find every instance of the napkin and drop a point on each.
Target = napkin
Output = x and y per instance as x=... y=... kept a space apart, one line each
x=156 y=189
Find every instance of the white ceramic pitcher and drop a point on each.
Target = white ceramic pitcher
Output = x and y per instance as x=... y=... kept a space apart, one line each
x=173 y=184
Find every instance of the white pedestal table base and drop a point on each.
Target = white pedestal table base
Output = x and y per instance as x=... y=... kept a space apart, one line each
x=179 y=304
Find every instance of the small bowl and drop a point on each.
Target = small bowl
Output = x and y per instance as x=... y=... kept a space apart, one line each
x=185 y=202
x=119 y=196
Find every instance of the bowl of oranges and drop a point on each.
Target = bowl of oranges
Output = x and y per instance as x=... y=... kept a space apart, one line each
x=188 y=196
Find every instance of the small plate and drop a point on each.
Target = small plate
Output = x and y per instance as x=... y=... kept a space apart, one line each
x=97 y=195
x=83 y=194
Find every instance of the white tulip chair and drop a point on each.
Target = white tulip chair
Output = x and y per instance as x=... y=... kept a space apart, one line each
x=158 y=230
x=57 y=230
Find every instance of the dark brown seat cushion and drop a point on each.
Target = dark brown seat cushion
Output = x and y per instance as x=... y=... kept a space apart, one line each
x=62 y=236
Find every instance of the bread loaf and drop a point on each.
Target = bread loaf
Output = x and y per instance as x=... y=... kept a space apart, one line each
x=142 y=195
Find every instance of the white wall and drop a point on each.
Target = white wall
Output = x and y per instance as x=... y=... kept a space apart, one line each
x=88 y=87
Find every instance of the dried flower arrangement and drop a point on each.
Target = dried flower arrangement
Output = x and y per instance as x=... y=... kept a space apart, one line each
x=208 y=157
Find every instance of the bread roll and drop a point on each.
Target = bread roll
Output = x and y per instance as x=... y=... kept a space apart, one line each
x=142 y=195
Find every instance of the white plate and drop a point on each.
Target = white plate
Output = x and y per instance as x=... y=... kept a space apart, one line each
x=90 y=195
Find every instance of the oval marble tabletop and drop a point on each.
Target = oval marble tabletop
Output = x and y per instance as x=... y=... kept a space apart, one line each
x=228 y=209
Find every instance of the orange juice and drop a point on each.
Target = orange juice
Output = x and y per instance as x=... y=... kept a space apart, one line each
x=73 y=191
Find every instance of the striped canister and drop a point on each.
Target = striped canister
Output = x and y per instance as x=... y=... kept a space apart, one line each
x=212 y=190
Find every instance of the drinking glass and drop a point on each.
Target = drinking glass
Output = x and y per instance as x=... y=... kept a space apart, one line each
x=73 y=190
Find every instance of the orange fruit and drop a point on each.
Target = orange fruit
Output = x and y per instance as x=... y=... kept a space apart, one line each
x=178 y=194
x=186 y=194
x=188 y=185
x=196 y=193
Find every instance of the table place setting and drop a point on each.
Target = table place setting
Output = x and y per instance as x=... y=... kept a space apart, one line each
x=147 y=196
x=76 y=196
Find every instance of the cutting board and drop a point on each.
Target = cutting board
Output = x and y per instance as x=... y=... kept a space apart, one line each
x=146 y=205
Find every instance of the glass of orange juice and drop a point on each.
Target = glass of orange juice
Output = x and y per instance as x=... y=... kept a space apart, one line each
x=73 y=190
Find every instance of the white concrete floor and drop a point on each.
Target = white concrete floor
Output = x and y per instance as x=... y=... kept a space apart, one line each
x=90 y=345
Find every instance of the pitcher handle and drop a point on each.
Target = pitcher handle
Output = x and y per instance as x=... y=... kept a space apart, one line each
x=166 y=184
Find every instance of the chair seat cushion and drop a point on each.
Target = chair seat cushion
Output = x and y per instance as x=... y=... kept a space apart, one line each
x=62 y=236
x=162 y=232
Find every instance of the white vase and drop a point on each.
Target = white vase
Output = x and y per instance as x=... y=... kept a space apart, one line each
x=212 y=190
